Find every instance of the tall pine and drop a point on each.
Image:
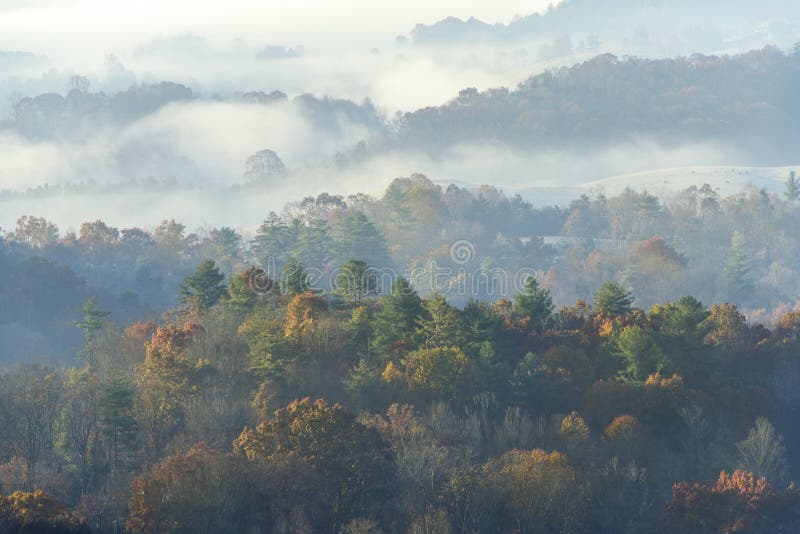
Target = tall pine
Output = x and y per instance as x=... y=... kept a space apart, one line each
x=396 y=322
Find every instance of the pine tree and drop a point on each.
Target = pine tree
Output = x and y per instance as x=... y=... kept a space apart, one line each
x=204 y=288
x=92 y=322
x=737 y=270
x=313 y=242
x=294 y=278
x=536 y=303
x=118 y=421
x=396 y=321
x=792 y=187
x=272 y=242
x=631 y=277
x=356 y=237
x=613 y=299
x=440 y=325
x=354 y=281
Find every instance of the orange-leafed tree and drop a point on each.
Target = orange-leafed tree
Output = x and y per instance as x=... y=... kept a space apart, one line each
x=353 y=461
x=540 y=491
x=739 y=502
x=37 y=512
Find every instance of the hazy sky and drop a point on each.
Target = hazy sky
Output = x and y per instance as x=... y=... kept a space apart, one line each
x=48 y=24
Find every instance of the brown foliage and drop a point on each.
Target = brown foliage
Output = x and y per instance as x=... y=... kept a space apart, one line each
x=302 y=312
x=739 y=502
x=36 y=512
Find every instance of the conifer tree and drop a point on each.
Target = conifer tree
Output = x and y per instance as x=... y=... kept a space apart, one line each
x=204 y=287
x=536 y=303
x=613 y=299
x=737 y=270
x=396 y=321
x=92 y=322
x=792 y=187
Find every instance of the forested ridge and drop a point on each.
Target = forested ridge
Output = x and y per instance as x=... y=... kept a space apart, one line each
x=745 y=98
x=265 y=396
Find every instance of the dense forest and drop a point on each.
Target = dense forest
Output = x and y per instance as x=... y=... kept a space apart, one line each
x=251 y=281
x=740 y=249
x=746 y=98
x=317 y=377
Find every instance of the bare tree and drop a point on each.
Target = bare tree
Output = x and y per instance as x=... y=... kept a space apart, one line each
x=763 y=453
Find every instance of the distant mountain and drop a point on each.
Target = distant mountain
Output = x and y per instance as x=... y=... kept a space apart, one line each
x=750 y=99
x=642 y=19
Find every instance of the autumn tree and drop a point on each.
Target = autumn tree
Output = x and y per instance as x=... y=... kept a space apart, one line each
x=166 y=380
x=541 y=492
x=36 y=232
x=439 y=371
x=355 y=463
x=200 y=490
x=38 y=512
x=739 y=502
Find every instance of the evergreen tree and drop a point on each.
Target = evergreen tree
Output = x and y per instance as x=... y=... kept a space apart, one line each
x=640 y=352
x=92 y=322
x=312 y=244
x=440 y=325
x=737 y=270
x=294 y=278
x=118 y=422
x=536 y=303
x=273 y=241
x=356 y=237
x=204 y=288
x=631 y=277
x=396 y=321
x=613 y=299
x=354 y=281
x=792 y=187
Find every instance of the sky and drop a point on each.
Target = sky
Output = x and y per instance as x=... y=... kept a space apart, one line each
x=99 y=24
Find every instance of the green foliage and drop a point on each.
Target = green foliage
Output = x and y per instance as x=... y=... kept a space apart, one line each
x=737 y=270
x=204 y=288
x=294 y=278
x=440 y=324
x=536 y=304
x=92 y=321
x=612 y=299
x=357 y=237
x=263 y=332
x=354 y=281
x=273 y=242
x=640 y=352
x=396 y=321
x=439 y=371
